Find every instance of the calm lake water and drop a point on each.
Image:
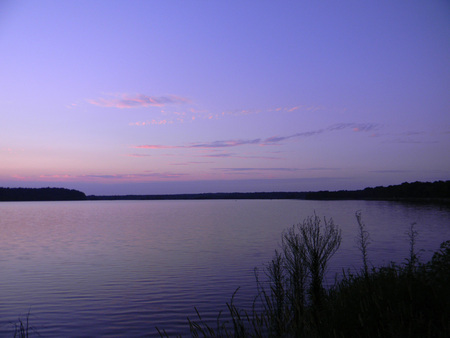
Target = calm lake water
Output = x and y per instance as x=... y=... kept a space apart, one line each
x=122 y=268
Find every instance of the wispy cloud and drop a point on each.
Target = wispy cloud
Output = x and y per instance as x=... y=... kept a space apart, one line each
x=390 y=171
x=214 y=144
x=243 y=112
x=190 y=162
x=225 y=144
x=402 y=140
x=221 y=155
x=409 y=136
x=135 y=177
x=194 y=114
x=275 y=169
x=278 y=139
x=58 y=177
x=256 y=169
x=157 y=146
x=151 y=122
x=299 y=107
x=7 y=150
x=148 y=175
x=138 y=155
x=138 y=100
x=233 y=155
x=355 y=127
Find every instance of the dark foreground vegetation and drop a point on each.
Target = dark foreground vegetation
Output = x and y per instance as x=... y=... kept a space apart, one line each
x=40 y=194
x=407 y=300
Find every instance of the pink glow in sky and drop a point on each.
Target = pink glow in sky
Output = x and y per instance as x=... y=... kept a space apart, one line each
x=153 y=97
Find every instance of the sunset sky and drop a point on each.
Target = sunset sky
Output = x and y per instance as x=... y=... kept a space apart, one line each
x=156 y=97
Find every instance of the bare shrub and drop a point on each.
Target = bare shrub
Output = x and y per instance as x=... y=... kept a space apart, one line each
x=296 y=274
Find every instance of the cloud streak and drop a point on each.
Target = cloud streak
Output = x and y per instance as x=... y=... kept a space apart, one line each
x=193 y=114
x=190 y=162
x=273 y=140
x=225 y=144
x=214 y=144
x=390 y=171
x=146 y=176
x=233 y=155
x=138 y=100
x=356 y=127
x=275 y=169
x=157 y=146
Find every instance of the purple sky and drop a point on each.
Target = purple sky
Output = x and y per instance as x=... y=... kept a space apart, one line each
x=152 y=97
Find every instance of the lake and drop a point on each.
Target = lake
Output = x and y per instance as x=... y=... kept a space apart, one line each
x=122 y=268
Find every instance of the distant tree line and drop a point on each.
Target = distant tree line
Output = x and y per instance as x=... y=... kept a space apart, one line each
x=420 y=191
x=439 y=190
x=207 y=196
x=40 y=194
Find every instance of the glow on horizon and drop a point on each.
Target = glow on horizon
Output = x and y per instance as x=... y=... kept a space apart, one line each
x=118 y=97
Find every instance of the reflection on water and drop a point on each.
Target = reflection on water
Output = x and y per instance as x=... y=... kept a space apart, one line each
x=120 y=268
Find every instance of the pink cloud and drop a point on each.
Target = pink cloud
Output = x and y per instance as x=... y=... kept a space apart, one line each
x=19 y=177
x=7 y=149
x=219 y=155
x=156 y=146
x=138 y=155
x=65 y=176
x=139 y=100
x=152 y=122
x=224 y=144
x=191 y=162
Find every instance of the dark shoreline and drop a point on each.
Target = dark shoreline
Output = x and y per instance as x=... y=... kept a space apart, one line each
x=206 y=196
x=417 y=192
x=258 y=196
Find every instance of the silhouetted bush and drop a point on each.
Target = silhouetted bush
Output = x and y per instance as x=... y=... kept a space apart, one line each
x=408 y=300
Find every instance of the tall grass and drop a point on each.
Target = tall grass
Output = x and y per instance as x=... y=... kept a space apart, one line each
x=22 y=328
x=394 y=301
x=406 y=300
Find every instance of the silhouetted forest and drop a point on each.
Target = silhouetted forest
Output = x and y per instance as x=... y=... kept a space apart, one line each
x=420 y=191
x=439 y=190
x=40 y=194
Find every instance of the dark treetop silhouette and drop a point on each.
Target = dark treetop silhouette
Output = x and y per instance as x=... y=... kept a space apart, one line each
x=41 y=194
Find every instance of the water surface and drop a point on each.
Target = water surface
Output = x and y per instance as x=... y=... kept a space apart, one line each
x=121 y=268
